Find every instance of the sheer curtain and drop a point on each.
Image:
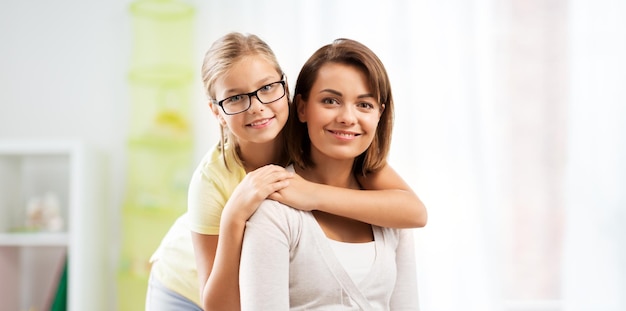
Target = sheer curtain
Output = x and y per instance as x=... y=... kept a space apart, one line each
x=507 y=126
x=594 y=264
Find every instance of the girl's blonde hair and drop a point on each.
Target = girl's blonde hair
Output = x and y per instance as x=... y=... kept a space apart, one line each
x=223 y=54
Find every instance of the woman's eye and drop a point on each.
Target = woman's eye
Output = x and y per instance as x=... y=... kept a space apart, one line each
x=366 y=105
x=329 y=101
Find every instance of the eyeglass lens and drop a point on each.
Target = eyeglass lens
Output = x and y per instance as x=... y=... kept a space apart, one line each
x=267 y=94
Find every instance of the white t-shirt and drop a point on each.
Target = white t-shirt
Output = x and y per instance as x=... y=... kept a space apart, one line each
x=287 y=263
x=356 y=258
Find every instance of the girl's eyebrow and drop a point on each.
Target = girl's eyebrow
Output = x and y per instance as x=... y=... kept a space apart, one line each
x=264 y=81
x=337 y=93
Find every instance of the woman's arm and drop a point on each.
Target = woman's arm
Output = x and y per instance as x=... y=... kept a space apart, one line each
x=218 y=263
x=265 y=256
x=389 y=201
x=405 y=296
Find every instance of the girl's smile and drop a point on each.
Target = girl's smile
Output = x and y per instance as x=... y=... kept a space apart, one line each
x=261 y=123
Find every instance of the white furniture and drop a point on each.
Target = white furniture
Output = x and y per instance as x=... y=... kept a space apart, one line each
x=31 y=259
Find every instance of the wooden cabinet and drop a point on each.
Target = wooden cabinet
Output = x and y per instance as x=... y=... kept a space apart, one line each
x=50 y=211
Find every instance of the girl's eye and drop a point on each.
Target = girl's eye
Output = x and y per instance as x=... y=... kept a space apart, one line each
x=267 y=88
x=234 y=99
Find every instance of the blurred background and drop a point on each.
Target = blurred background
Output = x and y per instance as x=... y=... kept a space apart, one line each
x=510 y=125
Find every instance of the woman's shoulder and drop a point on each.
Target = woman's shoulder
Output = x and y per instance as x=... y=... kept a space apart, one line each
x=393 y=234
x=273 y=218
x=278 y=214
x=274 y=208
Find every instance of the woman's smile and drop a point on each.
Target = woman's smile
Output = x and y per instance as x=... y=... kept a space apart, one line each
x=344 y=135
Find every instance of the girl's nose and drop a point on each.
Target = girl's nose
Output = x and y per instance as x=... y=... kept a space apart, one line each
x=255 y=105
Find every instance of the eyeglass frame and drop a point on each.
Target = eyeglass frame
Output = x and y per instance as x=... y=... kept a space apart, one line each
x=255 y=93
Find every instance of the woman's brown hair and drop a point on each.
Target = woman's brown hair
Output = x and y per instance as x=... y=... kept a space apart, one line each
x=353 y=53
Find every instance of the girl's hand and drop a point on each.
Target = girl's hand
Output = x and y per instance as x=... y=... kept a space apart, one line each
x=300 y=194
x=253 y=189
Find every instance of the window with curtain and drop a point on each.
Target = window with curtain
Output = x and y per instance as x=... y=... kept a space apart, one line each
x=509 y=125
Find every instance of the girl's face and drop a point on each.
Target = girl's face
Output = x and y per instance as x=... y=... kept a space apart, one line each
x=341 y=113
x=261 y=123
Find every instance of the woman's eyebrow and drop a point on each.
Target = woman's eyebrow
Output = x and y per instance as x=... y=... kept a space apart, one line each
x=366 y=96
x=339 y=93
x=331 y=91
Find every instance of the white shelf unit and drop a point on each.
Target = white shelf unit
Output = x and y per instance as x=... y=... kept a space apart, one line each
x=31 y=260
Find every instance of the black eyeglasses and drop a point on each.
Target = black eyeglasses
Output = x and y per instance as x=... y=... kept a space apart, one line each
x=239 y=103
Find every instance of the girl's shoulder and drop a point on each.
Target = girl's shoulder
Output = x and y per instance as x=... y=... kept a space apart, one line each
x=214 y=167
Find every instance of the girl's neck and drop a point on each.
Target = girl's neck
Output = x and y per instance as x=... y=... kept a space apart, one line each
x=254 y=155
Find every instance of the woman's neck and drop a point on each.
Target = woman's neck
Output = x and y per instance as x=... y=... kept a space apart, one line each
x=255 y=155
x=337 y=173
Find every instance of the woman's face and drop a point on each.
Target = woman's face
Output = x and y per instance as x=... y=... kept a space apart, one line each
x=261 y=123
x=341 y=113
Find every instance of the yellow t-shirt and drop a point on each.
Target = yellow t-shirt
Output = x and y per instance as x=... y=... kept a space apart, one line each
x=173 y=263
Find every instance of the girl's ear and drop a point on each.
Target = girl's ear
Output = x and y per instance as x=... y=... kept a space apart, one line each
x=214 y=108
x=216 y=112
x=286 y=84
x=300 y=108
x=382 y=109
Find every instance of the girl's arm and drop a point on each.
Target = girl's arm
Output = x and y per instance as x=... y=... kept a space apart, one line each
x=218 y=263
x=219 y=288
x=389 y=201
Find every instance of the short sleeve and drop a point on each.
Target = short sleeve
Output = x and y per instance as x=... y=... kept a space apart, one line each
x=210 y=188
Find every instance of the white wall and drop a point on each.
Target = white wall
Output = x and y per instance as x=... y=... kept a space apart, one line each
x=63 y=70
x=63 y=76
x=64 y=63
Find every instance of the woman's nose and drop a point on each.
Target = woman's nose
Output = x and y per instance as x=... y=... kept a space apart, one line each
x=346 y=115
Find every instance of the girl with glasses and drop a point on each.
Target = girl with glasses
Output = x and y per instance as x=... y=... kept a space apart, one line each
x=340 y=128
x=249 y=97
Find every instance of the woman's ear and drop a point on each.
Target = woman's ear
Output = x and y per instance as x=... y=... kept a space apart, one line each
x=382 y=109
x=300 y=108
